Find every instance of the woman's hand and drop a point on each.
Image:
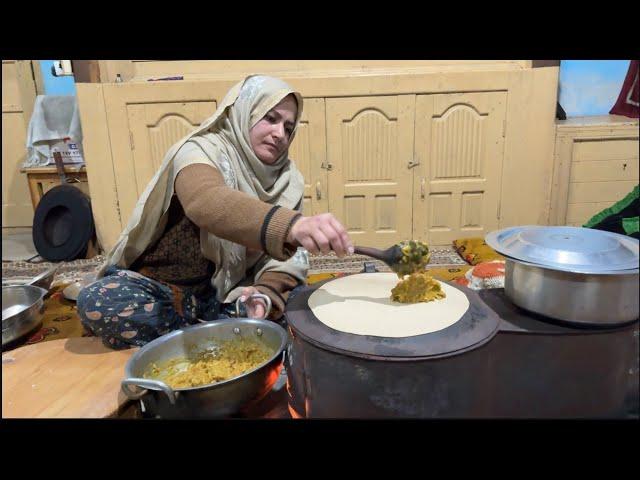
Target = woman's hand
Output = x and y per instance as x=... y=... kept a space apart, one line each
x=321 y=233
x=256 y=307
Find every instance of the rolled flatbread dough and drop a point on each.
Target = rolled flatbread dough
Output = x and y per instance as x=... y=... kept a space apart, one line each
x=361 y=304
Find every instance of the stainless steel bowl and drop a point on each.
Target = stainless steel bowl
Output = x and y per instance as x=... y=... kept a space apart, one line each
x=207 y=401
x=22 y=310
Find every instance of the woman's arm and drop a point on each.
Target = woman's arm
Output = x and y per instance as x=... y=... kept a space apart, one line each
x=243 y=219
x=232 y=215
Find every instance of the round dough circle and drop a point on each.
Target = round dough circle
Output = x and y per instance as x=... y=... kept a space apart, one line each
x=361 y=304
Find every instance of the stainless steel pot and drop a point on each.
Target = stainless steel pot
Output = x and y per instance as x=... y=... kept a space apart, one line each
x=605 y=298
x=207 y=401
x=574 y=274
x=22 y=310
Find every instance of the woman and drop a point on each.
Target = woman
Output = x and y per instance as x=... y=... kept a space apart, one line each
x=219 y=220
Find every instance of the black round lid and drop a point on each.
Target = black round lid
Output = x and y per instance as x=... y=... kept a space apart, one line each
x=476 y=327
x=62 y=224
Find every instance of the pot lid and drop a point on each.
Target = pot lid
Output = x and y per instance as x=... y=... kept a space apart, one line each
x=477 y=326
x=575 y=249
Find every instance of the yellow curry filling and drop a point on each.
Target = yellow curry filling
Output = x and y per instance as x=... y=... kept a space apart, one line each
x=230 y=359
x=415 y=285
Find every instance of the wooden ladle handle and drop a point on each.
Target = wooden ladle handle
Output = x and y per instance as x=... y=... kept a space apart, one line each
x=370 y=252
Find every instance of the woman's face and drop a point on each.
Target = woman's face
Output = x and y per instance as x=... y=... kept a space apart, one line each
x=272 y=134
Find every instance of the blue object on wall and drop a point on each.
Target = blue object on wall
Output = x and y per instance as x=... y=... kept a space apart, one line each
x=56 y=85
x=590 y=87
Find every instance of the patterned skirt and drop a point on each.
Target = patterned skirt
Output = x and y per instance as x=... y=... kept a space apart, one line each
x=127 y=309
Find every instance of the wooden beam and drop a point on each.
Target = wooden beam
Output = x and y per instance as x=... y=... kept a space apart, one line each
x=545 y=63
x=37 y=77
x=86 y=71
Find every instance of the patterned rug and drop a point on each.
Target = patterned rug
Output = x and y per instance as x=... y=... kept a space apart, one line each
x=78 y=269
x=440 y=257
x=61 y=319
x=69 y=272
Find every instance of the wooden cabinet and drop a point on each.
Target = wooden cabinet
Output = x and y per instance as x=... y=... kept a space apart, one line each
x=459 y=155
x=596 y=165
x=18 y=97
x=154 y=127
x=142 y=121
x=426 y=167
x=369 y=145
x=309 y=152
x=43 y=179
x=394 y=155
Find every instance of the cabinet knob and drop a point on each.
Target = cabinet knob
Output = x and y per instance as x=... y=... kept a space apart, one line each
x=422 y=188
x=318 y=191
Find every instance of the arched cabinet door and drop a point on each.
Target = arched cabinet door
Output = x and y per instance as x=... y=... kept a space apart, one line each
x=459 y=140
x=369 y=149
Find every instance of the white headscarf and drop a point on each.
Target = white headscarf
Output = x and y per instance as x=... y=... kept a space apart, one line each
x=223 y=141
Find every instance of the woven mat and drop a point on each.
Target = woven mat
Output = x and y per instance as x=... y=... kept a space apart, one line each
x=440 y=257
x=61 y=318
x=68 y=272
x=76 y=270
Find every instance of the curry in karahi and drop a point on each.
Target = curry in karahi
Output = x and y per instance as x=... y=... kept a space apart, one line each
x=227 y=360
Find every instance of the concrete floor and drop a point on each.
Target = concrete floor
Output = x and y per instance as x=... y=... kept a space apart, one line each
x=18 y=246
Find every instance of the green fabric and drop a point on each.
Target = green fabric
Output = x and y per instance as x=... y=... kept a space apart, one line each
x=630 y=225
x=613 y=210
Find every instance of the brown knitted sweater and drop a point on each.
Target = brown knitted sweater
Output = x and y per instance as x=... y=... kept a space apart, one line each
x=203 y=201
